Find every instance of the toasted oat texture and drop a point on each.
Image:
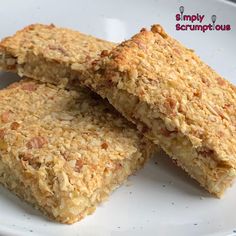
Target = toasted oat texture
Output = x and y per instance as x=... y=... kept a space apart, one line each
x=176 y=100
x=64 y=151
x=49 y=53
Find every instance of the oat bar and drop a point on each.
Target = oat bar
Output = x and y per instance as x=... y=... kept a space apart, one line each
x=50 y=54
x=64 y=151
x=176 y=100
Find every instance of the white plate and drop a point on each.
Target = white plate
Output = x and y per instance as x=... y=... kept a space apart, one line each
x=161 y=200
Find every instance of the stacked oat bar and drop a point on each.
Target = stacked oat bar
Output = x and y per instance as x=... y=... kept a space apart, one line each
x=173 y=98
x=176 y=100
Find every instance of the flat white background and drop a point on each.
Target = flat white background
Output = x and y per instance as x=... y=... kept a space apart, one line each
x=160 y=199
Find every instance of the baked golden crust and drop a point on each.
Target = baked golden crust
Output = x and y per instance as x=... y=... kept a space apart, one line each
x=64 y=151
x=176 y=100
x=50 y=53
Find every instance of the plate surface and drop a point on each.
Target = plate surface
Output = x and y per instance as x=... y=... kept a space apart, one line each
x=160 y=199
